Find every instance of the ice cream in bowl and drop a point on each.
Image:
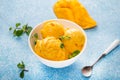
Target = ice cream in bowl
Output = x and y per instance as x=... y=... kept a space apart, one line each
x=57 y=42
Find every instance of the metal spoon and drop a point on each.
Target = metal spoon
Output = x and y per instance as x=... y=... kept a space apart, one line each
x=87 y=70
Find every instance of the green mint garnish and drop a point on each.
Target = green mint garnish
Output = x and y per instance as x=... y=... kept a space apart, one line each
x=10 y=28
x=36 y=35
x=61 y=45
x=17 y=24
x=27 y=29
x=21 y=66
x=19 y=31
x=75 y=53
x=22 y=74
x=64 y=37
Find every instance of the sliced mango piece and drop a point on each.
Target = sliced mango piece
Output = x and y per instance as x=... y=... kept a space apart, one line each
x=73 y=10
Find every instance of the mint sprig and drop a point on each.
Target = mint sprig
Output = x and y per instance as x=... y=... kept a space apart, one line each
x=75 y=53
x=19 y=31
x=18 y=24
x=21 y=66
x=27 y=29
x=64 y=38
x=35 y=37
x=61 y=45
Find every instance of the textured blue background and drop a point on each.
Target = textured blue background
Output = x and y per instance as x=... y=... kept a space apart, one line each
x=13 y=50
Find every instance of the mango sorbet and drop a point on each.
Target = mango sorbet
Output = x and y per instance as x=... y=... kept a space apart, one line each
x=52 y=28
x=50 y=48
x=75 y=42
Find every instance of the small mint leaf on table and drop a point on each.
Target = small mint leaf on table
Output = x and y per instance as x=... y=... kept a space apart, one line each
x=21 y=66
x=10 y=28
x=18 y=32
x=29 y=28
x=14 y=32
x=22 y=74
x=24 y=27
x=17 y=24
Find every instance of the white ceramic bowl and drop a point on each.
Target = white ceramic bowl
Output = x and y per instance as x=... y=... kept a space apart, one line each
x=50 y=63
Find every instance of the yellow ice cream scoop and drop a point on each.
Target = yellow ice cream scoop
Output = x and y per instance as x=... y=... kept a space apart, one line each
x=52 y=28
x=73 y=10
x=73 y=40
x=51 y=48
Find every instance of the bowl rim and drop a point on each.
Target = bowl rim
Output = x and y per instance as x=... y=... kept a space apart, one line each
x=29 y=43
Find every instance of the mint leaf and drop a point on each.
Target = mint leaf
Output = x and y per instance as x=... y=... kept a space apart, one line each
x=18 y=32
x=17 y=24
x=61 y=37
x=22 y=74
x=67 y=37
x=36 y=35
x=21 y=65
x=75 y=53
x=35 y=42
x=29 y=28
x=64 y=37
x=10 y=28
x=24 y=27
x=61 y=45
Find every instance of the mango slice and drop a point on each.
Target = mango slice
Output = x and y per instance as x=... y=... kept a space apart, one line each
x=73 y=10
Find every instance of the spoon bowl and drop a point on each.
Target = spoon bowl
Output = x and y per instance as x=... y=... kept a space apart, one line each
x=87 y=71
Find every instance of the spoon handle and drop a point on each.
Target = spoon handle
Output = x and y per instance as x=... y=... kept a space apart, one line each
x=112 y=46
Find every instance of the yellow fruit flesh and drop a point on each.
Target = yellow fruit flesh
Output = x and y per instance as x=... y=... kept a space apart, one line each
x=73 y=10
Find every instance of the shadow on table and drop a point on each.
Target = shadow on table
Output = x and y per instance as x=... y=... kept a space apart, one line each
x=72 y=72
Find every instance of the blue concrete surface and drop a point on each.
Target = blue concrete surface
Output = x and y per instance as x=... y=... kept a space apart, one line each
x=13 y=50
